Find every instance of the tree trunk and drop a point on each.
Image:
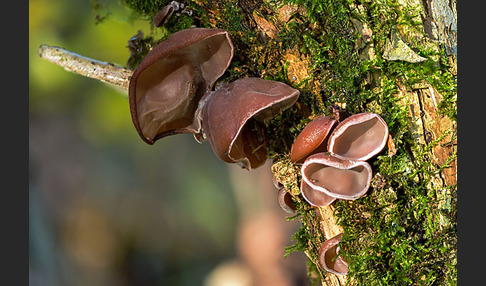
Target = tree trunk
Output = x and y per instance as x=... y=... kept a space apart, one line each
x=426 y=122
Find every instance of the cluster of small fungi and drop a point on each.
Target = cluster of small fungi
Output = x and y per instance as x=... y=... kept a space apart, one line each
x=171 y=92
x=332 y=152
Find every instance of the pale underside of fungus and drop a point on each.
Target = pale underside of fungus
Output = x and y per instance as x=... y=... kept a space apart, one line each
x=358 y=137
x=341 y=179
x=313 y=197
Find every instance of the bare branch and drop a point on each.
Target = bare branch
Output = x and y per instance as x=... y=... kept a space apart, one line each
x=103 y=71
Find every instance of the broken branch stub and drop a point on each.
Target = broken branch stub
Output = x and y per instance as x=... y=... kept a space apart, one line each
x=75 y=63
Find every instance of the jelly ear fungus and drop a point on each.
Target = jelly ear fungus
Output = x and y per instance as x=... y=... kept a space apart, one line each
x=285 y=202
x=339 y=169
x=234 y=115
x=165 y=13
x=312 y=139
x=358 y=137
x=338 y=178
x=313 y=197
x=170 y=93
x=329 y=257
x=166 y=87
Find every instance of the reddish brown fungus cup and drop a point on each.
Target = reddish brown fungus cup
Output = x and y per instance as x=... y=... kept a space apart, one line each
x=166 y=87
x=285 y=201
x=329 y=257
x=338 y=178
x=234 y=115
x=312 y=139
x=165 y=13
x=358 y=137
x=315 y=197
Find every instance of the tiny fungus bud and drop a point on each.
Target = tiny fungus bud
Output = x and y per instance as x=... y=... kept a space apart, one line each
x=284 y=199
x=166 y=87
x=312 y=139
x=315 y=197
x=338 y=178
x=276 y=183
x=358 y=137
x=234 y=114
x=164 y=15
x=329 y=257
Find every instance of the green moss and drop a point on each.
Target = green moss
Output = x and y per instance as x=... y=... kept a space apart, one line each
x=146 y=8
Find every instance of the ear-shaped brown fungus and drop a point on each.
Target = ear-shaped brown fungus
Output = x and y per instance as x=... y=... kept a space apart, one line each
x=358 y=137
x=329 y=258
x=166 y=87
x=284 y=199
x=315 y=197
x=312 y=139
x=233 y=118
x=165 y=13
x=338 y=178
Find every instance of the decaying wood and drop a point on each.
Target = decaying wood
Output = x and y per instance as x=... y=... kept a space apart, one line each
x=428 y=126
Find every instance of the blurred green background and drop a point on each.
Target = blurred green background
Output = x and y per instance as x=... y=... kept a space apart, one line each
x=105 y=208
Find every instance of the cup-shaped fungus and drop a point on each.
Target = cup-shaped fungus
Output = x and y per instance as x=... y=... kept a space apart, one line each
x=166 y=87
x=338 y=178
x=276 y=183
x=329 y=257
x=358 y=137
x=313 y=197
x=233 y=117
x=165 y=13
x=284 y=199
x=312 y=139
